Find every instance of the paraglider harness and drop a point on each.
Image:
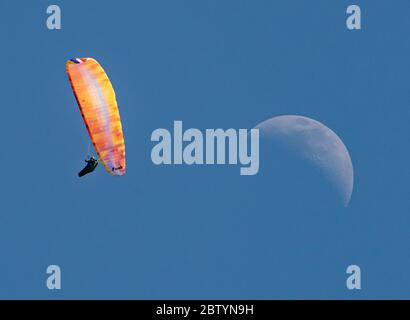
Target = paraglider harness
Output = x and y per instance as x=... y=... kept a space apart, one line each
x=92 y=163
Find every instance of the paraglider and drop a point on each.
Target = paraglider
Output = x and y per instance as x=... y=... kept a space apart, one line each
x=90 y=167
x=98 y=106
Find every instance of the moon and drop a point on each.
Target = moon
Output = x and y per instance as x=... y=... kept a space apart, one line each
x=315 y=143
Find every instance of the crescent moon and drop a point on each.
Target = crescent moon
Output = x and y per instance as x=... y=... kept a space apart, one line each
x=316 y=143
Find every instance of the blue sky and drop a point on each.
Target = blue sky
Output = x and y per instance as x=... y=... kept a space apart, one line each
x=204 y=232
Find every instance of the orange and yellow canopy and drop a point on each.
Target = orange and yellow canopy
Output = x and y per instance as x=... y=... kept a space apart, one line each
x=96 y=99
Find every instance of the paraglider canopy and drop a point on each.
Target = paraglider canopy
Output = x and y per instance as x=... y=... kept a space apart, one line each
x=98 y=106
